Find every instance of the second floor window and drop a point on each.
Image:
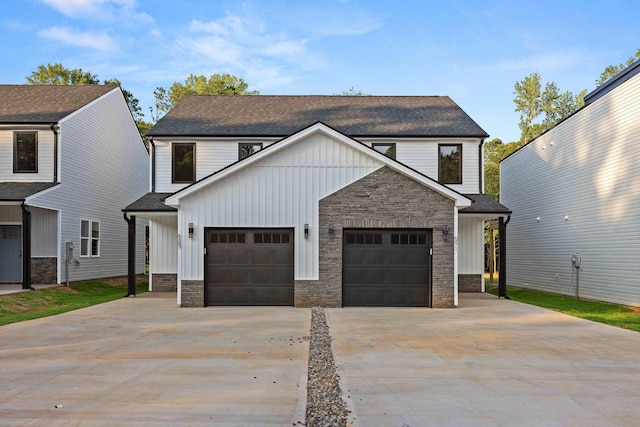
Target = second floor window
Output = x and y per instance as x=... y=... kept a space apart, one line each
x=25 y=152
x=388 y=149
x=183 y=163
x=450 y=164
x=245 y=149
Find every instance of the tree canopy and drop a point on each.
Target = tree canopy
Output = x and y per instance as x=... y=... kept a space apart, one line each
x=217 y=84
x=57 y=74
x=352 y=92
x=612 y=70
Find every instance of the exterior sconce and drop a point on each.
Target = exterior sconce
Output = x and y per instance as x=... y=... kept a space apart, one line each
x=331 y=232
x=538 y=219
x=190 y=230
x=445 y=232
x=566 y=217
x=306 y=231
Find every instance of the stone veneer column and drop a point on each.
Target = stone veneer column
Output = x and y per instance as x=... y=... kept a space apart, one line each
x=44 y=271
x=192 y=293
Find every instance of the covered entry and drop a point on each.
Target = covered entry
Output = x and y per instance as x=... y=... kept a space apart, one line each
x=387 y=267
x=249 y=267
x=10 y=253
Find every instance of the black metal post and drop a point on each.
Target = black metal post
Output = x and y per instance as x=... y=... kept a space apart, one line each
x=26 y=247
x=131 y=270
x=502 y=278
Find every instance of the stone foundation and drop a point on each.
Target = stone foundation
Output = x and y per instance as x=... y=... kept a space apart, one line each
x=164 y=282
x=192 y=294
x=314 y=293
x=469 y=283
x=44 y=271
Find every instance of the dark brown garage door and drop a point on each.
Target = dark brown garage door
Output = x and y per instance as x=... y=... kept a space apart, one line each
x=249 y=267
x=387 y=268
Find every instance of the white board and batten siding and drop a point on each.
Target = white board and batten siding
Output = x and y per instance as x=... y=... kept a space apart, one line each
x=576 y=189
x=422 y=155
x=103 y=167
x=163 y=254
x=281 y=190
x=470 y=245
x=45 y=143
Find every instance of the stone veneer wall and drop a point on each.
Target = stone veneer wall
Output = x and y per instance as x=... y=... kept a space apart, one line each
x=44 y=271
x=164 y=282
x=469 y=282
x=192 y=293
x=382 y=199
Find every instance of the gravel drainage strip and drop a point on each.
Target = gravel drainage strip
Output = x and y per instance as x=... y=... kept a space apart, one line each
x=325 y=406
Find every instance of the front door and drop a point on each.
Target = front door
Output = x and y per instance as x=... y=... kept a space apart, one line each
x=10 y=253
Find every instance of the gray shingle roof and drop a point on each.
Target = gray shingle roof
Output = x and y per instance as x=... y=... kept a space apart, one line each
x=280 y=115
x=150 y=202
x=18 y=191
x=45 y=103
x=482 y=203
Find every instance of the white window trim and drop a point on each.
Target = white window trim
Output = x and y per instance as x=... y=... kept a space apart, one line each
x=89 y=238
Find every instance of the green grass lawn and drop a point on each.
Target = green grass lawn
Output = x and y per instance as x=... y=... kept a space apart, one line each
x=29 y=305
x=611 y=314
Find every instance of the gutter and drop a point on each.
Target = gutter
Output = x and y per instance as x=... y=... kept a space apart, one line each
x=153 y=165
x=481 y=167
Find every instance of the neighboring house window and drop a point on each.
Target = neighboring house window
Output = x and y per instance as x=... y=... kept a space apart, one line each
x=183 y=163
x=450 y=164
x=89 y=238
x=388 y=149
x=245 y=149
x=25 y=152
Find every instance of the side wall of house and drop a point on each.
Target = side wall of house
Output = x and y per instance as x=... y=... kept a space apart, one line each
x=103 y=166
x=576 y=189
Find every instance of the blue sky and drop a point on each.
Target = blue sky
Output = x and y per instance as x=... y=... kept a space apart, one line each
x=472 y=51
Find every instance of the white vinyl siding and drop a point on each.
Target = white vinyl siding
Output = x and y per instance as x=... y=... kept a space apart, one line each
x=470 y=245
x=163 y=252
x=422 y=155
x=45 y=156
x=103 y=167
x=282 y=190
x=585 y=169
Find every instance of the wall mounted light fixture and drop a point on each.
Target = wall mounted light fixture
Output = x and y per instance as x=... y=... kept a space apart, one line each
x=306 y=231
x=331 y=232
x=445 y=232
x=190 y=230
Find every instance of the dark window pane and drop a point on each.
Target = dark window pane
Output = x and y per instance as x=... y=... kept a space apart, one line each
x=276 y=238
x=377 y=239
x=25 y=153
x=247 y=149
x=285 y=238
x=267 y=238
x=94 y=247
x=232 y=238
x=241 y=238
x=257 y=238
x=413 y=239
x=351 y=239
x=214 y=237
x=223 y=237
x=450 y=164
x=404 y=239
x=183 y=163
x=388 y=150
x=422 y=239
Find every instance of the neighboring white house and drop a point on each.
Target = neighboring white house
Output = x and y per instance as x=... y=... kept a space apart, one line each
x=70 y=158
x=575 y=193
x=317 y=200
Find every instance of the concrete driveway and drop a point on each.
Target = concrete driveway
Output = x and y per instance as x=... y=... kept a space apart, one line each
x=144 y=361
x=488 y=363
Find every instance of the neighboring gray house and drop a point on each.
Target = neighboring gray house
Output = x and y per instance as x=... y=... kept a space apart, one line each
x=70 y=158
x=317 y=200
x=575 y=191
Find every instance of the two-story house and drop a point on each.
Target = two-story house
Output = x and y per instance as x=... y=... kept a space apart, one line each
x=70 y=158
x=317 y=200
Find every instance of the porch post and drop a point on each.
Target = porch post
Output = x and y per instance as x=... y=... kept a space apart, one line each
x=131 y=270
x=502 y=274
x=26 y=247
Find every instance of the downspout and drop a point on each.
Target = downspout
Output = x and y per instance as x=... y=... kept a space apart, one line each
x=26 y=247
x=481 y=167
x=502 y=278
x=55 y=128
x=131 y=264
x=153 y=165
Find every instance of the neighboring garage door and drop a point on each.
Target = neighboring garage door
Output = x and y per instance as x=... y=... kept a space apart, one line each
x=387 y=267
x=249 y=267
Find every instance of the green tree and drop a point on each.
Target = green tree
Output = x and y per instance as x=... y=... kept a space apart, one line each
x=57 y=74
x=217 y=84
x=494 y=152
x=352 y=92
x=612 y=70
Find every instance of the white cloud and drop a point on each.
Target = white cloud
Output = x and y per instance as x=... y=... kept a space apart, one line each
x=98 y=41
x=123 y=11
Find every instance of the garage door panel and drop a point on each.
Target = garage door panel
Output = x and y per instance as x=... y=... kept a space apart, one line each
x=386 y=268
x=249 y=267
